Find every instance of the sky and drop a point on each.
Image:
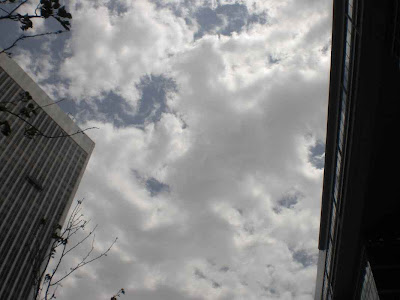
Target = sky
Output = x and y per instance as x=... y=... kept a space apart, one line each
x=209 y=155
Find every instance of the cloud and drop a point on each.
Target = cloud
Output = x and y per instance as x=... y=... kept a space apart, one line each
x=229 y=132
x=112 y=51
x=39 y=67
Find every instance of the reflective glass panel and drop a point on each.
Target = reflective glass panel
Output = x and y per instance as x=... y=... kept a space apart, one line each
x=333 y=220
x=350 y=9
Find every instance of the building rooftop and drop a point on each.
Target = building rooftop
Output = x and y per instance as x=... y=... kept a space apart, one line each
x=42 y=99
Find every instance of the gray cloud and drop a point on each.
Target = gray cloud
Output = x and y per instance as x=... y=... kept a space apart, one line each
x=199 y=274
x=228 y=129
x=304 y=258
x=162 y=293
x=287 y=201
x=224 y=269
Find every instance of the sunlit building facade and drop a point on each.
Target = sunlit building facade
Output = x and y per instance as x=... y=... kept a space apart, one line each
x=359 y=242
x=38 y=179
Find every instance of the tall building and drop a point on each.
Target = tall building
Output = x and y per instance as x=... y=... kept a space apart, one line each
x=359 y=241
x=38 y=179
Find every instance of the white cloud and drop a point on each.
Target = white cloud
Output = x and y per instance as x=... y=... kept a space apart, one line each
x=110 y=52
x=246 y=112
x=39 y=67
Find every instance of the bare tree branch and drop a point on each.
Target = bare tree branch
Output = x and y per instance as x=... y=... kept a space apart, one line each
x=4 y=10
x=84 y=262
x=32 y=130
x=118 y=294
x=23 y=37
x=26 y=112
x=46 y=284
x=18 y=6
x=44 y=10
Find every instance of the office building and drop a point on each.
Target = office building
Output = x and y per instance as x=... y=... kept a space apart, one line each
x=359 y=241
x=38 y=178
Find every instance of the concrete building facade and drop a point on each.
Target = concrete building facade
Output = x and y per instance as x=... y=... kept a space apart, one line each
x=38 y=179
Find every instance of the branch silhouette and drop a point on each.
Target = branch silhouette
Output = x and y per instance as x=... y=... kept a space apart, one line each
x=24 y=37
x=46 y=281
x=27 y=111
x=44 y=10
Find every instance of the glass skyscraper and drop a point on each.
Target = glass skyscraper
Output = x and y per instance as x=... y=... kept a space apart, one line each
x=38 y=179
x=359 y=239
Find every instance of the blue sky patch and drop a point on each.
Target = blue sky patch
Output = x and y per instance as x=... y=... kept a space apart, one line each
x=226 y=19
x=113 y=108
x=155 y=187
x=301 y=256
x=317 y=155
x=287 y=201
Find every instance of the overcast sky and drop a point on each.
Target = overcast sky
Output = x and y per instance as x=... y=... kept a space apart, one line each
x=209 y=158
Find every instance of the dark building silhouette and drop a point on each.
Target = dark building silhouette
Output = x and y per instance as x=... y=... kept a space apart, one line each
x=38 y=180
x=359 y=240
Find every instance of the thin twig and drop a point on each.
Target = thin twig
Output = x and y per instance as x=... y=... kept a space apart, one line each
x=18 y=6
x=74 y=223
x=39 y=133
x=83 y=263
x=23 y=37
x=55 y=102
x=84 y=239
x=4 y=10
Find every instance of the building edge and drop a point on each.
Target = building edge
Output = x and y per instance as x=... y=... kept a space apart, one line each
x=42 y=99
x=57 y=115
